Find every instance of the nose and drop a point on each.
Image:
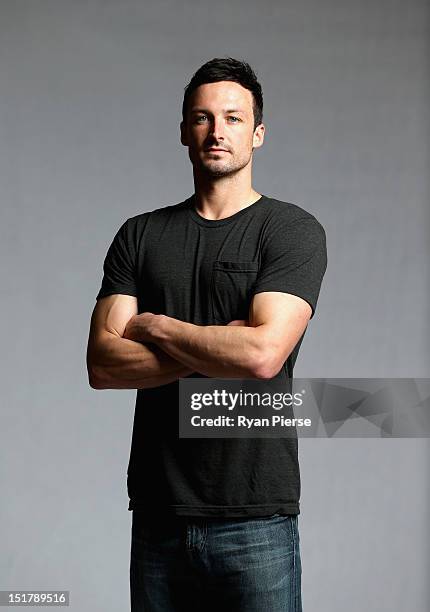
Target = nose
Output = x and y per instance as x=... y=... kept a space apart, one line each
x=216 y=129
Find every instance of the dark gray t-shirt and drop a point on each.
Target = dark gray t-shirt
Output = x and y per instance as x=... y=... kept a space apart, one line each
x=205 y=272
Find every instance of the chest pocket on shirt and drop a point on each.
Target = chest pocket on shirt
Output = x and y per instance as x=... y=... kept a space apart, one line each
x=231 y=289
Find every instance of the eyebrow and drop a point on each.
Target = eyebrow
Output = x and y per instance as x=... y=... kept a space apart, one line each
x=204 y=110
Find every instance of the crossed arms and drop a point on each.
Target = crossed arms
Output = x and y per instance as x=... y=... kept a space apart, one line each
x=127 y=350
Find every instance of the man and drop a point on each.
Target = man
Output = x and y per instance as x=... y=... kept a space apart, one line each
x=221 y=285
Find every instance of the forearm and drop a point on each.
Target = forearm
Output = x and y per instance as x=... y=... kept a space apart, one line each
x=213 y=350
x=119 y=363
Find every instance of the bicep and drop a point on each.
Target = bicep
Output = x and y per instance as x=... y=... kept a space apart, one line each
x=110 y=317
x=282 y=319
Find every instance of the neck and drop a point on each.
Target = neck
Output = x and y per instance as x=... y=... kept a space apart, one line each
x=223 y=197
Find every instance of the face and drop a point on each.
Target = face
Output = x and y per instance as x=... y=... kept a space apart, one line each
x=220 y=116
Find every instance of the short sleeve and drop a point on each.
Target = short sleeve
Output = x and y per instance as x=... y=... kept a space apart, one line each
x=294 y=259
x=119 y=267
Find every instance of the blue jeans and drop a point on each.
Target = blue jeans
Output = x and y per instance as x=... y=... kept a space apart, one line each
x=185 y=564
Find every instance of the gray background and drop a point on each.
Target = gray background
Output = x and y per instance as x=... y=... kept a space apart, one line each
x=90 y=108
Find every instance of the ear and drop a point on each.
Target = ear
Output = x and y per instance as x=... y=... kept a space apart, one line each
x=184 y=140
x=258 y=137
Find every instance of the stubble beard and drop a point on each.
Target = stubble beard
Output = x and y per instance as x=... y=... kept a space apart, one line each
x=214 y=168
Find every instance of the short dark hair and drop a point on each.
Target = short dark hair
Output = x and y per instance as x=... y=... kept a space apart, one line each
x=227 y=69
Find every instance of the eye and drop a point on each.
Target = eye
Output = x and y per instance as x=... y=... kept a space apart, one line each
x=232 y=117
x=199 y=117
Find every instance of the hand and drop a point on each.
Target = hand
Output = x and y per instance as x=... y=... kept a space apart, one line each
x=142 y=327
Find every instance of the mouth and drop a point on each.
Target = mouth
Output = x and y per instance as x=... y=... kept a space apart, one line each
x=216 y=150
